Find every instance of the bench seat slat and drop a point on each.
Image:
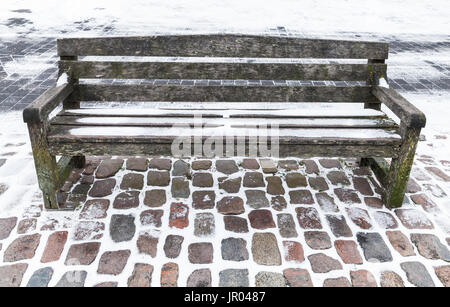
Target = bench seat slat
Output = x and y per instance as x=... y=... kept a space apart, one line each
x=114 y=134
x=222 y=45
x=124 y=121
x=300 y=112
x=223 y=93
x=221 y=71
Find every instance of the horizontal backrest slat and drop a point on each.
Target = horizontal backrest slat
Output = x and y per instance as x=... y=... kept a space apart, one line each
x=222 y=71
x=190 y=93
x=222 y=45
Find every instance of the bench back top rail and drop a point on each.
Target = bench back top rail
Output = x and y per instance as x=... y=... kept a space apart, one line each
x=222 y=45
x=200 y=48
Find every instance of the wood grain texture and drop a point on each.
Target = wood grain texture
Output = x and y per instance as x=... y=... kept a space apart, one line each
x=401 y=107
x=164 y=149
x=191 y=93
x=221 y=71
x=39 y=109
x=124 y=121
x=222 y=45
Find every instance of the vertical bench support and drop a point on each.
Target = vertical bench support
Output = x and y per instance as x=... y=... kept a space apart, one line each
x=45 y=163
x=397 y=178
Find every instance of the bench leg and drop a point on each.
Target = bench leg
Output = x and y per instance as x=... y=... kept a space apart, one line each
x=45 y=163
x=400 y=168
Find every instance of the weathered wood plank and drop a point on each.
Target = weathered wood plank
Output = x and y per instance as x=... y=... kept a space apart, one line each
x=191 y=93
x=115 y=135
x=39 y=109
x=400 y=168
x=222 y=45
x=164 y=149
x=406 y=111
x=222 y=71
x=45 y=163
x=351 y=123
x=300 y=112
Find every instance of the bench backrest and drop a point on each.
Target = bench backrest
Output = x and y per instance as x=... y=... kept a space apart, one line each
x=253 y=58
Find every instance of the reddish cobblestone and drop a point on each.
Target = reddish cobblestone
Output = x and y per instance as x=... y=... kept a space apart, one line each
x=102 y=188
x=151 y=218
x=339 y=226
x=230 y=205
x=348 y=251
x=318 y=240
x=199 y=278
x=147 y=244
x=203 y=180
x=253 y=180
x=330 y=163
x=88 y=230
x=326 y=202
x=413 y=219
x=6 y=226
x=169 y=275
x=230 y=185
x=126 y=200
x=295 y=180
x=160 y=164
x=108 y=168
x=274 y=186
x=137 y=164
x=373 y=202
x=301 y=197
x=26 y=226
x=338 y=178
x=201 y=165
x=142 y=275
x=203 y=199
x=362 y=278
x=430 y=247
x=22 y=248
x=308 y=218
x=385 y=220
x=179 y=215
x=11 y=275
x=321 y=263
x=426 y=203
x=113 y=262
x=311 y=167
x=347 y=196
x=158 y=178
x=55 y=246
x=250 y=164
x=318 y=183
x=438 y=173
x=235 y=224
x=155 y=198
x=95 y=209
x=391 y=279
x=360 y=217
x=297 y=278
x=400 y=243
x=339 y=282
x=261 y=219
x=362 y=185
x=289 y=165
x=293 y=251
x=200 y=253
x=278 y=203
x=443 y=273
x=82 y=254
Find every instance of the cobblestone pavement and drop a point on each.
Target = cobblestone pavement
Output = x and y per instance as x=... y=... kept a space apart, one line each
x=417 y=64
x=167 y=222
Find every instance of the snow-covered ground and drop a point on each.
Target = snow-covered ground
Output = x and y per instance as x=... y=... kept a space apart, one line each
x=86 y=18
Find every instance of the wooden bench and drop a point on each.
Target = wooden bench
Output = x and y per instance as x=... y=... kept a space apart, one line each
x=362 y=130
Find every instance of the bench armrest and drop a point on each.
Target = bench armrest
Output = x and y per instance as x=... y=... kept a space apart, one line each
x=401 y=107
x=41 y=107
